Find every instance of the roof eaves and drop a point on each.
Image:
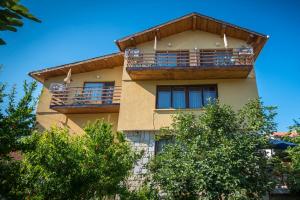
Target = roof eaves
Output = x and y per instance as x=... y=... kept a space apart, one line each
x=72 y=64
x=183 y=17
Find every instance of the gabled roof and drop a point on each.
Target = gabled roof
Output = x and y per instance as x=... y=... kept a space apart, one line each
x=195 y=21
x=92 y=64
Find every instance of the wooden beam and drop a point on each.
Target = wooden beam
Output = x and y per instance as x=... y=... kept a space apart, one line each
x=157 y=34
x=132 y=41
x=250 y=39
x=194 y=22
x=223 y=30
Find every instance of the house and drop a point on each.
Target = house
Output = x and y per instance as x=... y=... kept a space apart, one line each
x=176 y=66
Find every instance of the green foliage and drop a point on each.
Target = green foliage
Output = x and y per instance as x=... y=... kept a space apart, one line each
x=11 y=16
x=61 y=166
x=16 y=122
x=292 y=168
x=216 y=155
x=145 y=192
x=18 y=119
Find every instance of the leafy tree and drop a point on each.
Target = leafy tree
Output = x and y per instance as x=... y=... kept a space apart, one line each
x=18 y=119
x=16 y=122
x=216 y=155
x=11 y=15
x=292 y=167
x=62 y=166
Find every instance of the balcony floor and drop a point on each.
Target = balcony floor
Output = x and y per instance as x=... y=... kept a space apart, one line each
x=189 y=73
x=87 y=108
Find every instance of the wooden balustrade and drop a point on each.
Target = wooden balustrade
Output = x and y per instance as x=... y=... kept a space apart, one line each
x=201 y=58
x=84 y=99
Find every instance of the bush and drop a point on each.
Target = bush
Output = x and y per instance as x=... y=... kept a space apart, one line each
x=217 y=154
x=61 y=166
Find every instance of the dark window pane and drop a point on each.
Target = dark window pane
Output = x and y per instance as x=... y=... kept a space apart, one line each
x=164 y=98
x=209 y=94
x=178 y=98
x=160 y=144
x=195 y=98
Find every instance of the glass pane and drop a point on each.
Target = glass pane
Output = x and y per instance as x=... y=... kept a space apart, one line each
x=164 y=99
x=195 y=98
x=160 y=144
x=183 y=59
x=179 y=98
x=223 y=58
x=209 y=94
x=93 y=91
x=166 y=59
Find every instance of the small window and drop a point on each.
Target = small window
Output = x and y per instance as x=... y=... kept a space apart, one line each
x=161 y=143
x=164 y=98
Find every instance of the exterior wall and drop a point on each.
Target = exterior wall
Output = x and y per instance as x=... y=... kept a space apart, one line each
x=47 y=117
x=137 y=109
x=141 y=141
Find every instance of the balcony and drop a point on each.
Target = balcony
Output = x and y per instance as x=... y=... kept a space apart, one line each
x=193 y=64
x=71 y=100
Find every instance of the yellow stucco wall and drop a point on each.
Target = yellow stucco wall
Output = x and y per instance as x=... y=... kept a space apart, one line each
x=137 y=111
x=47 y=117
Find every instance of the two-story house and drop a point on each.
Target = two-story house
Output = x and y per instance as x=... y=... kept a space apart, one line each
x=175 y=66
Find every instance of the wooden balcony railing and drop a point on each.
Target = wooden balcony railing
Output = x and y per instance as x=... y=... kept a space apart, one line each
x=204 y=58
x=85 y=97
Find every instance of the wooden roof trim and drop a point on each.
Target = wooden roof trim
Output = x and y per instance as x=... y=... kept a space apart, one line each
x=36 y=74
x=152 y=29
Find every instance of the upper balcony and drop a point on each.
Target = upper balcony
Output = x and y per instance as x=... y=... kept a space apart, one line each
x=104 y=99
x=190 y=64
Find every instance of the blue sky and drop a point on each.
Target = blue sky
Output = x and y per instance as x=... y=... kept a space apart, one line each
x=73 y=30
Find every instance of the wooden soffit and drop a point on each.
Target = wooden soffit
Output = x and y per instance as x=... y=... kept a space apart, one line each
x=195 y=21
x=101 y=62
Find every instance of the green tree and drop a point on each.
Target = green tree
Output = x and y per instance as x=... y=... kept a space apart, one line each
x=11 y=15
x=216 y=155
x=292 y=167
x=63 y=166
x=17 y=121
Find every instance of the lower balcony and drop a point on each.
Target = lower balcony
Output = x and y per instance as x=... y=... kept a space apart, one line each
x=76 y=100
x=190 y=64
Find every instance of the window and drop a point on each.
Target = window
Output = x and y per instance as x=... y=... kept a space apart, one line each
x=178 y=96
x=195 y=97
x=209 y=94
x=161 y=143
x=181 y=97
x=172 y=58
x=99 y=91
x=222 y=57
x=164 y=100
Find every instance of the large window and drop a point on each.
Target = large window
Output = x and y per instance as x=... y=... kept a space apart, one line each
x=172 y=58
x=181 y=97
